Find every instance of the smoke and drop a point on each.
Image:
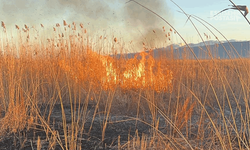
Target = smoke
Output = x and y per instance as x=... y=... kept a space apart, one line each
x=148 y=25
x=99 y=14
x=93 y=9
x=138 y=15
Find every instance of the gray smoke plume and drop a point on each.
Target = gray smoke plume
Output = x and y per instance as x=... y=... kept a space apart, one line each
x=98 y=14
x=136 y=14
x=151 y=33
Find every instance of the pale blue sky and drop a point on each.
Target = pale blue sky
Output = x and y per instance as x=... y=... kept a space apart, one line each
x=231 y=23
x=128 y=21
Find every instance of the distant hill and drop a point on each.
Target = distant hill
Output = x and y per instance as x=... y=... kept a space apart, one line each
x=200 y=50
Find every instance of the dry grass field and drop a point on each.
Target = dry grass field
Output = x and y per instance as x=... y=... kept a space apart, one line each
x=63 y=92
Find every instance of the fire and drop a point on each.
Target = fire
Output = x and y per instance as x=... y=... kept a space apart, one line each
x=140 y=72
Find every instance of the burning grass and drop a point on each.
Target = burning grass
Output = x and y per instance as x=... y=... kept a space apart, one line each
x=62 y=90
x=109 y=73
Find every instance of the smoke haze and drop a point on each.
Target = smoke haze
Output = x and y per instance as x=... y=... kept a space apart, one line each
x=98 y=14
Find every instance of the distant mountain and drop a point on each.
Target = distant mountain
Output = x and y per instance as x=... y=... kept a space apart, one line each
x=217 y=50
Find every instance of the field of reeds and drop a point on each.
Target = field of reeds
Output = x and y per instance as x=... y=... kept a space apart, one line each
x=64 y=92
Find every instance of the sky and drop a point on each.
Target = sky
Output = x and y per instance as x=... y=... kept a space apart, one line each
x=231 y=23
x=129 y=21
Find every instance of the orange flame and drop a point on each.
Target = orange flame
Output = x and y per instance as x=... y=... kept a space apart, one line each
x=104 y=71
